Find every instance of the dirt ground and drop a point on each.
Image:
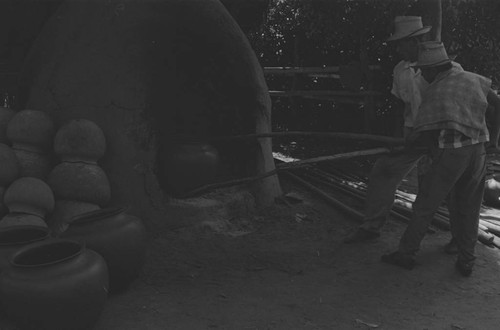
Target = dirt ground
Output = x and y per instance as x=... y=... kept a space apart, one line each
x=287 y=268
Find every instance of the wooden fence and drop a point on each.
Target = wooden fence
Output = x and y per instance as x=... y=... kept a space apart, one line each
x=356 y=80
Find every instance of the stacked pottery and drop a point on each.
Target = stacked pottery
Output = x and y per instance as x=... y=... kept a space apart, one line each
x=80 y=185
x=29 y=200
x=9 y=171
x=31 y=133
x=117 y=236
x=54 y=284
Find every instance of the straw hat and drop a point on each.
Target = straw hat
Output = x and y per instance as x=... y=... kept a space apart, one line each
x=432 y=53
x=408 y=26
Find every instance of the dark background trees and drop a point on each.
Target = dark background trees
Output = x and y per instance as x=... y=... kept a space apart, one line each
x=322 y=33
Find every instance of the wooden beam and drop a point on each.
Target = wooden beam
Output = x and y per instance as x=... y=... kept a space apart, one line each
x=338 y=135
x=308 y=70
x=347 y=155
x=337 y=99
x=324 y=93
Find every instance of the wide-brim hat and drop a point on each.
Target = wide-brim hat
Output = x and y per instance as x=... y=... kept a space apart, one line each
x=431 y=54
x=408 y=26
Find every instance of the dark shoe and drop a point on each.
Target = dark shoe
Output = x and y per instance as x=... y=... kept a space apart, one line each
x=464 y=268
x=361 y=235
x=451 y=247
x=399 y=259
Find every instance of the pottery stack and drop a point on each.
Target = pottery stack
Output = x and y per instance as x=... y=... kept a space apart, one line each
x=31 y=133
x=80 y=185
x=29 y=201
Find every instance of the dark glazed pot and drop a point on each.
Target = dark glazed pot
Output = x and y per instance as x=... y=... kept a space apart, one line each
x=186 y=166
x=119 y=237
x=54 y=284
x=14 y=238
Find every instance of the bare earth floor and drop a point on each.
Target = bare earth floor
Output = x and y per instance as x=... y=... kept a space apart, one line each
x=288 y=269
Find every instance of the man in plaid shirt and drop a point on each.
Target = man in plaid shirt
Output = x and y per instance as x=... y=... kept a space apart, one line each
x=389 y=170
x=451 y=123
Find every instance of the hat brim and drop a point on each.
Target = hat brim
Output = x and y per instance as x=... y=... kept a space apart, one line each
x=421 y=31
x=432 y=65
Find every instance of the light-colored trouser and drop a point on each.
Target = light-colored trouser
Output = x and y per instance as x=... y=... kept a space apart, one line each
x=460 y=173
x=385 y=177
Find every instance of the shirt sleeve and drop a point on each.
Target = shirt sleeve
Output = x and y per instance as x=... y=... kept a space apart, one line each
x=395 y=82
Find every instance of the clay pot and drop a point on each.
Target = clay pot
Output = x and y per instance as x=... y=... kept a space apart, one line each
x=119 y=237
x=80 y=182
x=65 y=211
x=14 y=238
x=33 y=164
x=54 y=284
x=29 y=195
x=6 y=115
x=80 y=140
x=31 y=130
x=492 y=192
x=9 y=169
x=186 y=166
x=22 y=219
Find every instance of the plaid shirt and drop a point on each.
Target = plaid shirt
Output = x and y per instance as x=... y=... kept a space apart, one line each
x=455 y=100
x=450 y=138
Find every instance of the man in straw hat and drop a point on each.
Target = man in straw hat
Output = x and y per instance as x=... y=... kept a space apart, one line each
x=451 y=123
x=388 y=172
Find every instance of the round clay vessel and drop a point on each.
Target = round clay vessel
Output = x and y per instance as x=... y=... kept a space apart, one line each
x=29 y=195
x=14 y=238
x=6 y=115
x=54 y=284
x=80 y=182
x=80 y=140
x=119 y=237
x=186 y=166
x=33 y=164
x=31 y=130
x=9 y=169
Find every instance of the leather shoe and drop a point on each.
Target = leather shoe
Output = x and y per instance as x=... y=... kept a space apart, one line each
x=464 y=268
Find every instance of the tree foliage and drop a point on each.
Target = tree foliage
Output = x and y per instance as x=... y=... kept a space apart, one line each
x=337 y=32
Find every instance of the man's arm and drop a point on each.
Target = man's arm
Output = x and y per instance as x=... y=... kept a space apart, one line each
x=494 y=102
